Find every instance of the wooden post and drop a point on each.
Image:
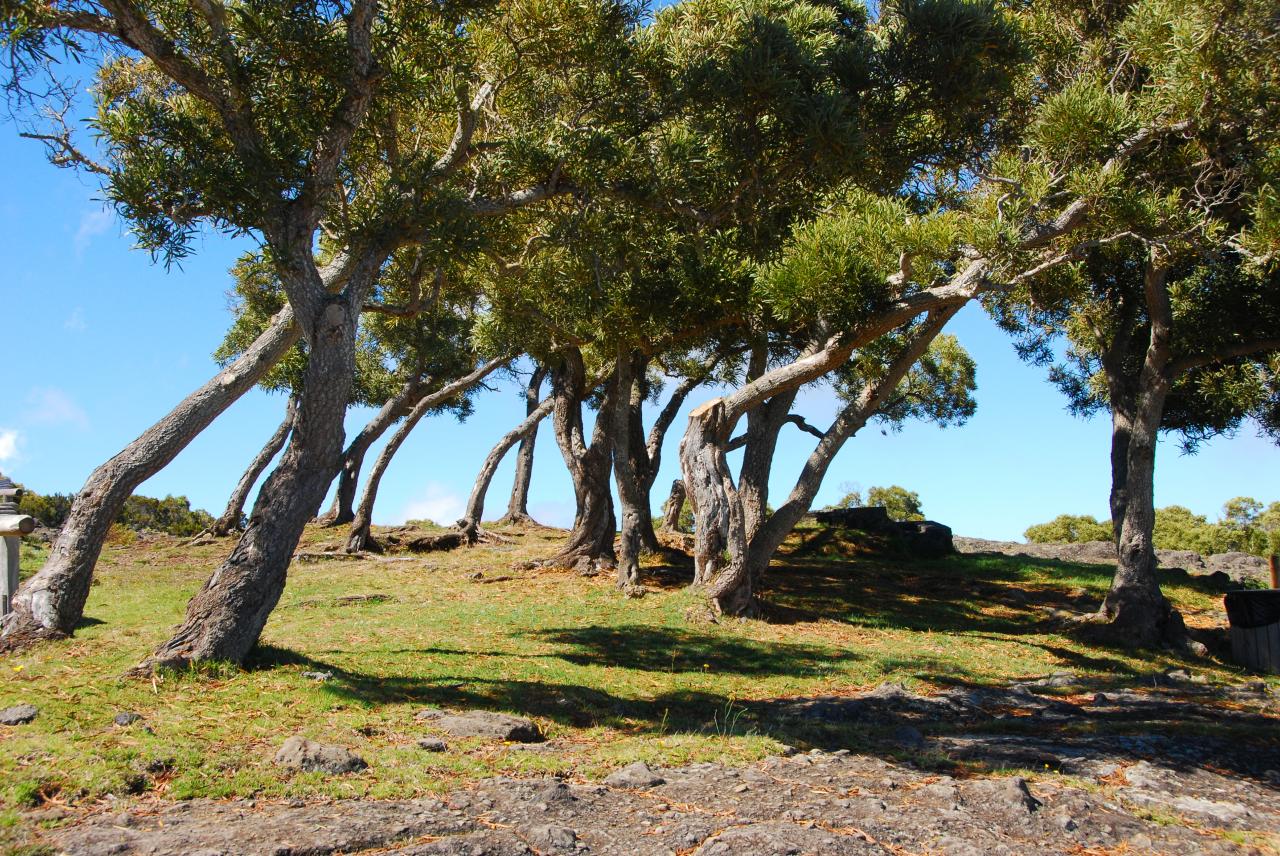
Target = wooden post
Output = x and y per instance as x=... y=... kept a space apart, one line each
x=12 y=527
x=1274 y=561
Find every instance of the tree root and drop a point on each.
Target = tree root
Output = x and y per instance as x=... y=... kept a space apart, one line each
x=21 y=633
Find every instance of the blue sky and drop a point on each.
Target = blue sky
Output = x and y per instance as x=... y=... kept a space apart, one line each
x=100 y=342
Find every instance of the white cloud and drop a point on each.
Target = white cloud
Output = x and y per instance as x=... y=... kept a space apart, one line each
x=9 y=441
x=52 y=406
x=437 y=503
x=92 y=224
x=75 y=321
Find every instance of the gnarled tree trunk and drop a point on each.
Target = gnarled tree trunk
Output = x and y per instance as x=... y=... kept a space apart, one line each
x=774 y=529
x=51 y=603
x=342 y=510
x=673 y=506
x=590 y=543
x=225 y=618
x=230 y=519
x=518 y=504
x=470 y=522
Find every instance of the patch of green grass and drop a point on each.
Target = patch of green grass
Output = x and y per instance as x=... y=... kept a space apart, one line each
x=609 y=680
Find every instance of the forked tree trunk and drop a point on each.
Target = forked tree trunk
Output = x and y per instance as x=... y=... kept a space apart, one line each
x=51 y=603
x=342 y=510
x=471 y=518
x=225 y=618
x=590 y=543
x=673 y=506
x=358 y=538
x=518 y=504
x=1135 y=609
x=231 y=517
x=773 y=530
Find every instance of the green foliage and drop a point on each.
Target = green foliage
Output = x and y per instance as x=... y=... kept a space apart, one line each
x=1245 y=526
x=173 y=514
x=1069 y=529
x=902 y=504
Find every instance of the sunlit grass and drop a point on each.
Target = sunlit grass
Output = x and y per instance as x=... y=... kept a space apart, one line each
x=609 y=680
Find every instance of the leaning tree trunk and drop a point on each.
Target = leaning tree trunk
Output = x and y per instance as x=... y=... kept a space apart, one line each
x=225 y=618
x=51 y=603
x=359 y=538
x=470 y=522
x=342 y=509
x=774 y=529
x=518 y=504
x=673 y=506
x=230 y=520
x=590 y=543
x=764 y=424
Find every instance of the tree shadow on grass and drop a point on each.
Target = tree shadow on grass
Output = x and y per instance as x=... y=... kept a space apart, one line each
x=668 y=649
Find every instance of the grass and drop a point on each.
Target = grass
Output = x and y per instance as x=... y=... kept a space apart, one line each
x=610 y=680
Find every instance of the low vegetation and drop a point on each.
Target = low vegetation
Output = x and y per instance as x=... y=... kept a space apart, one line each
x=173 y=514
x=1244 y=526
x=655 y=681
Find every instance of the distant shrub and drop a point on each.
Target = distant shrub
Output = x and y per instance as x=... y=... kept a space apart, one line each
x=1069 y=529
x=173 y=514
x=1246 y=526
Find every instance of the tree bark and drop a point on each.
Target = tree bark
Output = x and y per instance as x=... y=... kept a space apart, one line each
x=518 y=504
x=358 y=538
x=764 y=424
x=225 y=618
x=627 y=460
x=51 y=603
x=590 y=543
x=1135 y=608
x=470 y=521
x=772 y=531
x=230 y=520
x=342 y=510
x=673 y=506
x=719 y=534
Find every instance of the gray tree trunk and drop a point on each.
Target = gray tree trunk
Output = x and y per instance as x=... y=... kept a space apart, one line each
x=764 y=424
x=342 y=510
x=590 y=543
x=359 y=538
x=719 y=533
x=673 y=506
x=632 y=495
x=51 y=603
x=773 y=531
x=1135 y=608
x=225 y=618
x=518 y=504
x=230 y=520
x=474 y=513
